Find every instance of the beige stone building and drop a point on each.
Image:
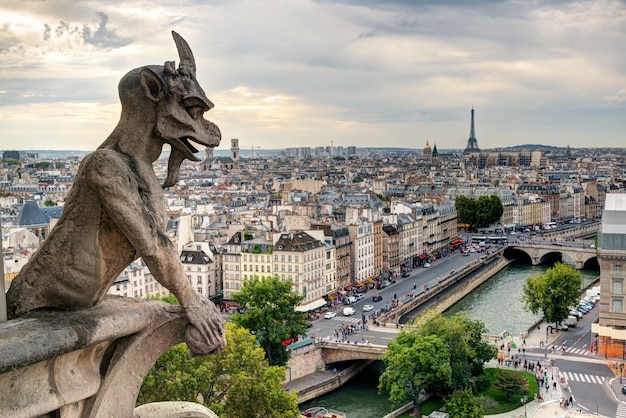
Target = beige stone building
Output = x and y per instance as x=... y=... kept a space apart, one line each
x=610 y=330
x=300 y=258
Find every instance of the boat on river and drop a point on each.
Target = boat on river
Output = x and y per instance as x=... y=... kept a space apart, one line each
x=321 y=412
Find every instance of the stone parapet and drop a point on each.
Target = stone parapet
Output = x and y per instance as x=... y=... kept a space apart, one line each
x=87 y=363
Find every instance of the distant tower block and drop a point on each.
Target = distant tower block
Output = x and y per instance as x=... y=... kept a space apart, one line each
x=234 y=149
x=472 y=142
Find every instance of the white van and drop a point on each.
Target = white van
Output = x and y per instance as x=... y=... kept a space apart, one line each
x=571 y=321
x=348 y=311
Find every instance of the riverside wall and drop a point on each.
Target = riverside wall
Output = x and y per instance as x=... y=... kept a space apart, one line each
x=457 y=286
x=307 y=372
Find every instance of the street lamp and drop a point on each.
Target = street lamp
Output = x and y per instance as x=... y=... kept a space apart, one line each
x=546 y=356
x=523 y=400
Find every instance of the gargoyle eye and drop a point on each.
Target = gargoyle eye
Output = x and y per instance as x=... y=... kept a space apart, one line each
x=195 y=111
x=195 y=106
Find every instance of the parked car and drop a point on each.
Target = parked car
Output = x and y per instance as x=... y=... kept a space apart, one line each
x=624 y=389
x=563 y=327
x=405 y=274
x=576 y=313
x=329 y=315
x=368 y=307
x=426 y=265
x=377 y=298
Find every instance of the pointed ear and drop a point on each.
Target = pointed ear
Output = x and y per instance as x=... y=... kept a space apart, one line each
x=153 y=84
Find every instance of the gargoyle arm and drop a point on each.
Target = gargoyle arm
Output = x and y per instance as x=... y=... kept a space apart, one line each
x=119 y=194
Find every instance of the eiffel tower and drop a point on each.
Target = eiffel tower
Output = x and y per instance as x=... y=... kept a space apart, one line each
x=472 y=142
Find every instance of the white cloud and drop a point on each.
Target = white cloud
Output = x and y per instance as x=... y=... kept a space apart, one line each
x=304 y=73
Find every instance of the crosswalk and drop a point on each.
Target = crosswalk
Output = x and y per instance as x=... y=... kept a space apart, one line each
x=352 y=319
x=621 y=411
x=571 y=350
x=584 y=378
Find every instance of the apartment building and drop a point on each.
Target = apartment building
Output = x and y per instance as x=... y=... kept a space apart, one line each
x=362 y=237
x=200 y=271
x=256 y=258
x=301 y=259
x=339 y=236
x=231 y=264
x=610 y=330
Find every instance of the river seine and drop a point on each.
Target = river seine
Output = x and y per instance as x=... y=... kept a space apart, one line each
x=497 y=303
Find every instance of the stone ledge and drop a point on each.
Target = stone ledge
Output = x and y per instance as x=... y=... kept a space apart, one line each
x=42 y=335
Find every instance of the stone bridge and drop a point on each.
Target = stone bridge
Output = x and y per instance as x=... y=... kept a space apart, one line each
x=333 y=352
x=582 y=256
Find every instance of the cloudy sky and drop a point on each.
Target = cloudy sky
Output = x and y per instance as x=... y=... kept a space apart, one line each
x=287 y=73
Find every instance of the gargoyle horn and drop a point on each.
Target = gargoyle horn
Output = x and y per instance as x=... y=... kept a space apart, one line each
x=187 y=62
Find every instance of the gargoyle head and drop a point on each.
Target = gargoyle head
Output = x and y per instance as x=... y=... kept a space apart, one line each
x=175 y=106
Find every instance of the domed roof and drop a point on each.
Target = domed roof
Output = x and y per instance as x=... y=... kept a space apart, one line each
x=427 y=146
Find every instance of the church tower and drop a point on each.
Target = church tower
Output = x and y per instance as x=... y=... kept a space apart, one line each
x=434 y=156
x=427 y=151
x=472 y=142
x=234 y=150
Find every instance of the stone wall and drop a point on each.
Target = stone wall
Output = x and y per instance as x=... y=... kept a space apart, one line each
x=304 y=361
x=88 y=363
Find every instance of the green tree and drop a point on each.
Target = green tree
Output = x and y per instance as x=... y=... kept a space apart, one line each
x=49 y=202
x=270 y=314
x=463 y=336
x=462 y=403
x=552 y=293
x=238 y=382
x=511 y=384
x=478 y=213
x=415 y=363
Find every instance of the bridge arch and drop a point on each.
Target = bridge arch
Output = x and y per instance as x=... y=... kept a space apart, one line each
x=549 y=254
x=338 y=352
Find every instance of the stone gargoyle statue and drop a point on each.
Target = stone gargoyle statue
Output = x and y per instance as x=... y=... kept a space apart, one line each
x=115 y=211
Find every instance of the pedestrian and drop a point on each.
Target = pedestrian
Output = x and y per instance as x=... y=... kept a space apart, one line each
x=554 y=385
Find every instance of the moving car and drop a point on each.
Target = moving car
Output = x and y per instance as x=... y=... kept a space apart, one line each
x=348 y=311
x=367 y=308
x=329 y=315
x=377 y=298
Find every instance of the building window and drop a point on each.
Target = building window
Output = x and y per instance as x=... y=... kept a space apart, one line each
x=618 y=269
x=617 y=286
x=617 y=306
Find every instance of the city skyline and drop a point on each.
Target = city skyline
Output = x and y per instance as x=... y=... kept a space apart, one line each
x=351 y=73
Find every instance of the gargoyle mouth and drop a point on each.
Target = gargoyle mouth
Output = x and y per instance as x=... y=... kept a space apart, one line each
x=191 y=150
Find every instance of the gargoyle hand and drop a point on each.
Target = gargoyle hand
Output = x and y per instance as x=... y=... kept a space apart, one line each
x=206 y=332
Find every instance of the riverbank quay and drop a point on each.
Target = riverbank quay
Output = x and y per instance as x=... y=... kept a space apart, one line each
x=316 y=384
x=445 y=291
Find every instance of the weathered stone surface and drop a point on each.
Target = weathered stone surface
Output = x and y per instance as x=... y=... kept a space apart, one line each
x=115 y=211
x=173 y=410
x=87 y=363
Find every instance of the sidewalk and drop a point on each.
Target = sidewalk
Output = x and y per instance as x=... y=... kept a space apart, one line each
x=550 y=407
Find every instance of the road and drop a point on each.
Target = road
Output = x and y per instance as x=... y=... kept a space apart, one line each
x=418 y=278
x=587 y=378
x=592 y=384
